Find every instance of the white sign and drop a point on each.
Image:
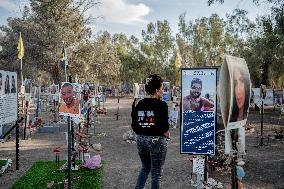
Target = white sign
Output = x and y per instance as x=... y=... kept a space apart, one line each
x=8 y=97
x=198 y=165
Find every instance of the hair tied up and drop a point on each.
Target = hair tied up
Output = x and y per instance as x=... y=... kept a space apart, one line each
x=148 y=80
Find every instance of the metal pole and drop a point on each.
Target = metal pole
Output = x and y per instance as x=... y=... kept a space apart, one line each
x=88 y=118
x=117 y=109
x=72 y=143
x=69 y=152
x=26 y=118
x=37 y=103
x=65 y=70
x=261 y=124
x=206 y=170
x=22 y=78
x=17 y=146
x=234 y=172
x=17 y=138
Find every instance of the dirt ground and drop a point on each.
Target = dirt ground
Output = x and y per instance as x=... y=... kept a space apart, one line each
x=264 y=165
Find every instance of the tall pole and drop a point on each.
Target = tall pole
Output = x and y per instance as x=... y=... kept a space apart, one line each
x=234 y=172
x=17 y=146
x=65 y=71
x=37 y=102
x=206 y=170
x=69 y=152
x=26 y=118
x=22 y=78
x=261 y=123
x=117 y=113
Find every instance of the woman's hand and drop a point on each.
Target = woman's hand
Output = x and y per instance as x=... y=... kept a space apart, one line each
x=167 y=134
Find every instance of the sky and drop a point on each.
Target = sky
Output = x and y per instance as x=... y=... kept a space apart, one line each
x=132 y=16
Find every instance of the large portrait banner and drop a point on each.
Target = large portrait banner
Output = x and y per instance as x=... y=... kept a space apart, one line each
x=198 y=111
x=234 y=100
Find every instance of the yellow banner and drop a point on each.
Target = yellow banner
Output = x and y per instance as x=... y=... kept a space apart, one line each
x=20 y=47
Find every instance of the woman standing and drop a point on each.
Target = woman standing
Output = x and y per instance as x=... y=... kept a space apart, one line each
x=150 y=123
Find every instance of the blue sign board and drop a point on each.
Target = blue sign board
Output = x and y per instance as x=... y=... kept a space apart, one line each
x=198 y=107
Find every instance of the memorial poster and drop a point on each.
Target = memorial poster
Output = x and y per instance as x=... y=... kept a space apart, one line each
x=198 y=110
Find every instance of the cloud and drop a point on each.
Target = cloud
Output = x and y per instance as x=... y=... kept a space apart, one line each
x=122 y=12
x=8 y=5
x=13 y=6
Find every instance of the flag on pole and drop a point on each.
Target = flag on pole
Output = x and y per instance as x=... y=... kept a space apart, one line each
x=63 y=60
x=20 y=47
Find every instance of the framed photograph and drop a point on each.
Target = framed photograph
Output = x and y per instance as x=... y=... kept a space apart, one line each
x=278 y=97
x=70 y=105
x=166 y=91
x=198 y=111
x=9 y=99
x=2 y=82
x=141 y=92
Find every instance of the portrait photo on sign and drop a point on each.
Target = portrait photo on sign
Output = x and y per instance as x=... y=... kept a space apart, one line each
x=278 y=97
x=241 y=90
x=7 y=87
x=78 y=89
x=141 y=92
x=53 y=89
x=2 y=82
x=198 y=110
x=166 y=91
x=70 y=106
x=13 y=84
x=198 y=93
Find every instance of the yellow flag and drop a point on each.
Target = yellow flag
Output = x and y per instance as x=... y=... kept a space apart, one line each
x=20 y=47
x=178 y=61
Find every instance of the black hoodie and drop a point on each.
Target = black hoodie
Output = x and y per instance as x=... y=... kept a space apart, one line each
x=150 y=117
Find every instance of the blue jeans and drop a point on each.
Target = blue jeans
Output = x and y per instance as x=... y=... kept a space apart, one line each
x=152 y=153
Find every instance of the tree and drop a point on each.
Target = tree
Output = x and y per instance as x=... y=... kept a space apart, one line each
x=157 y=46
x=44 y=28
x=205 y=41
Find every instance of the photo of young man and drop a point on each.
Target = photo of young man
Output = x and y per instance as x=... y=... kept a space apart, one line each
x=194 y=101
x=70 y=105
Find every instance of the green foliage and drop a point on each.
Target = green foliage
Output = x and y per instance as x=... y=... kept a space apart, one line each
x=111 y=59
x=43 y=172
x=44 y=29
x=204 y=42
x=3 y=162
